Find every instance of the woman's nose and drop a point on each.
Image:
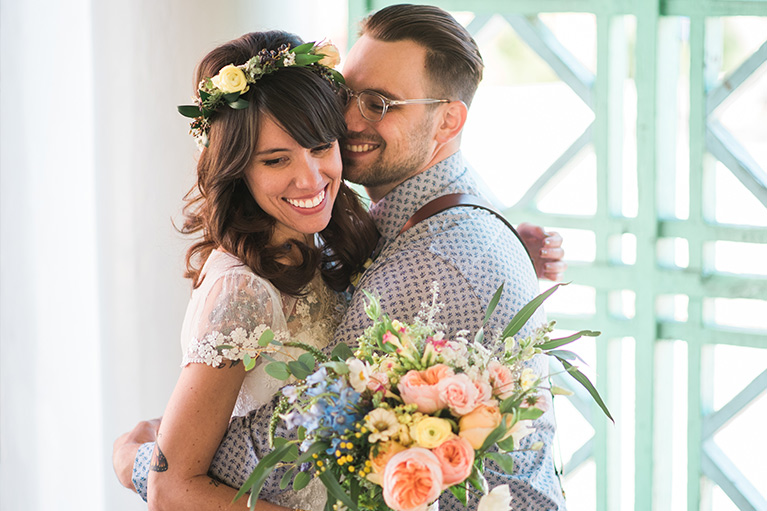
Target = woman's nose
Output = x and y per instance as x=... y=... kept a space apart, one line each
x=309 y=175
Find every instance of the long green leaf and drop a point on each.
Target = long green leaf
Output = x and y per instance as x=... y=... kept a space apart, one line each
x=459 y=491
x=315 y=448
x=189 y=111
x=556 y=343
x=303 y=48
x=521 y=317
x=567 y=355
x=529 y=414
x=494 y=436
x=492 y=305
x=305 y=59
x=256 y=480
x=583 y=380
x=335 y=490
x=287 y=476
x=477 y=479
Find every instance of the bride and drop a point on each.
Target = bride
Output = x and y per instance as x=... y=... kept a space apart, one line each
x=281 y=235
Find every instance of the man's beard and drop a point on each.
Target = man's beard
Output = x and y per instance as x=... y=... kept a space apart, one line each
x=392 y=168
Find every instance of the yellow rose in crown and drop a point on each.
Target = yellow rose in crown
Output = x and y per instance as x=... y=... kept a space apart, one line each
x=230 y=79
x=331 y=55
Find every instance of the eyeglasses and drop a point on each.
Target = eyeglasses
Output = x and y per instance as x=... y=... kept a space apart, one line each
x=373 y=106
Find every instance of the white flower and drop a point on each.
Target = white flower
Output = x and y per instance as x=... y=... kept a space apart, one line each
x=382 y=424
x=289 y=60
x=359 y=374
x=528 y=378
x=497 y=500
x=239 y=336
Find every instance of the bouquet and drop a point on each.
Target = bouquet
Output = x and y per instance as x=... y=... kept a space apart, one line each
x=411 y=413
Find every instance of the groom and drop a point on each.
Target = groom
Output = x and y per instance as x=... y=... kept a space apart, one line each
x=407 y=154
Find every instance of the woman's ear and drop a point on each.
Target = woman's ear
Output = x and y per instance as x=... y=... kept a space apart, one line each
x=453 y=117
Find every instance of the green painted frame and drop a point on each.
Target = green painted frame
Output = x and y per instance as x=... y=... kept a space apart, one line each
x=654 y=274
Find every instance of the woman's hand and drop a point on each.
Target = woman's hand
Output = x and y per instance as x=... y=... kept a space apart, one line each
x=545 y=249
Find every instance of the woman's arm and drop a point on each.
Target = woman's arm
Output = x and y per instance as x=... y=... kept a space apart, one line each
x=192 y=427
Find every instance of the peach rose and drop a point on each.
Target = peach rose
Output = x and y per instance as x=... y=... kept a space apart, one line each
x=485 y=391
x=412 y=480
x=415 y=390
x=460 y=394
x=456 y=456
x=378 y=463
x=500 y=376
x=436 y=373
x=477 y=425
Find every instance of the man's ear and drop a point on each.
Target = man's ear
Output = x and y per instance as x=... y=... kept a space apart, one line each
x=453 y=117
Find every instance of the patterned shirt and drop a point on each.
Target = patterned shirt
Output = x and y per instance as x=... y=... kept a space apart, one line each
x=469 y=253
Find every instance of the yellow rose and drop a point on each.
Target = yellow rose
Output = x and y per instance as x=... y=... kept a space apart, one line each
x=331 y=58
x=378 y=463
x=230 y=79
x=478 y=424
x=431 y=432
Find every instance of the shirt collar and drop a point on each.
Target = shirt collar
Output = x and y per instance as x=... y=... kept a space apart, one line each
x=447 y=176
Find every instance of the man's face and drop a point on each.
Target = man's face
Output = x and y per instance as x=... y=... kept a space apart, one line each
x=380 y=155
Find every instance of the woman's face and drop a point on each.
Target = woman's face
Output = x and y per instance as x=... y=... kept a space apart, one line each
x=294 y=185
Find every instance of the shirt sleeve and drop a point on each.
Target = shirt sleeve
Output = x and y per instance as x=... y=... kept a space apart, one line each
x=141 y=469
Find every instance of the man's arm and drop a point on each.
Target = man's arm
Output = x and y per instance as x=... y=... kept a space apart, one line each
x=125 y=449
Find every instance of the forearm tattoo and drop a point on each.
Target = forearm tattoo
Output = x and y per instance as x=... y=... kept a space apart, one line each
x=158 y=463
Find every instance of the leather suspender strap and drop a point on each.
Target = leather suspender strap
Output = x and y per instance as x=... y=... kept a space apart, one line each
x=453 y=200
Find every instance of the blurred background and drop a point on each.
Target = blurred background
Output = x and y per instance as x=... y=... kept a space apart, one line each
x=636 y=129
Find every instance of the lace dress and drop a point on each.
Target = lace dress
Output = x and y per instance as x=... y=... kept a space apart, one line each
x=233 y=306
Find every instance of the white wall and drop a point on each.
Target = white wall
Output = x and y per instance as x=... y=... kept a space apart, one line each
x=94 y=161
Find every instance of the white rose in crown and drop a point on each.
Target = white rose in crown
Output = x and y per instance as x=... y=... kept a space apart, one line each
x=331 y=56
x=230 y=79
x=497 y=500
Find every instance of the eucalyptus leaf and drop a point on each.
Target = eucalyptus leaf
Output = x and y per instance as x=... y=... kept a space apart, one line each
x=521 y=317
x=250 y=362
x=337 y=367
x=266 y=338
x=256 y=480
x=504 y=461
x=268 y=357
x=301 y=480
x=583 y=380
x=278 y=370
x=285 y=481
x=556 y=343
x=307 y=359
x=335 y=490
x=189 y=111
x=341 y=352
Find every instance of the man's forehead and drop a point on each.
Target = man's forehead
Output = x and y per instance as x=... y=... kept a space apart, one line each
x=386 y=67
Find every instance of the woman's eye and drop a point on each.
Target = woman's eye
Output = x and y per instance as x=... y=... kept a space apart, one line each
x=322 y=148
x=273 y=162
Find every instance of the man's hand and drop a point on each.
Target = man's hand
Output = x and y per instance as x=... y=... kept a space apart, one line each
x=545 y=249
x=126 y=446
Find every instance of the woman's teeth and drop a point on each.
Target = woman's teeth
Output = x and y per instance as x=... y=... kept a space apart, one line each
x=308 y=203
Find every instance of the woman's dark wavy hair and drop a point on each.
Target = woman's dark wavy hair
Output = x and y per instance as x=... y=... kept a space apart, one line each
x=221 y=207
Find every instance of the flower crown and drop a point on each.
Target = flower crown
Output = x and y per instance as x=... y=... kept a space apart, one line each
x=231 y=82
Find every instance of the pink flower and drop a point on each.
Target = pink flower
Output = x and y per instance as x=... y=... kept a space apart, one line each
x=412 y=480
x=485 y=391
x=378 y=382
x=437 y=373
x=415 y=389
x=500 y=376
x=460 y=394
x=456 y=456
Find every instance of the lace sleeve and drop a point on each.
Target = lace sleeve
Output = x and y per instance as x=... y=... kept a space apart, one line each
x=237 y=310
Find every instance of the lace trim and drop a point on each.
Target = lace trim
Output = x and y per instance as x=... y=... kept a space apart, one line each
x=206 y=350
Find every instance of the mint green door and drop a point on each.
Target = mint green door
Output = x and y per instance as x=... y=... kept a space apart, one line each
x=651 y=158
